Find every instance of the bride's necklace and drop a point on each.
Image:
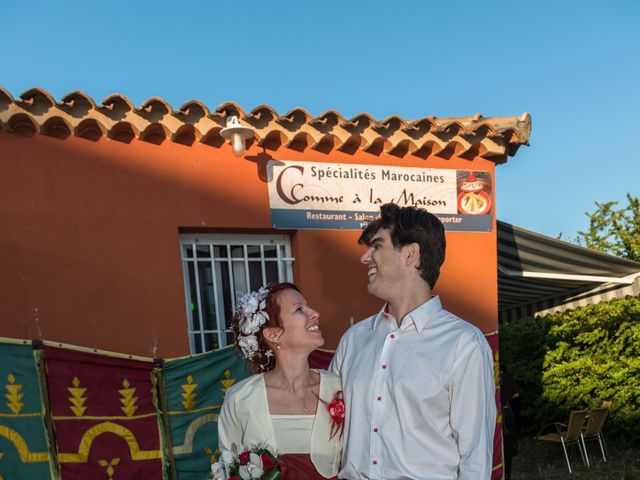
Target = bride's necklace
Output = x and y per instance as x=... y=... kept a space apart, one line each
x=304 y=405
x=304 y=402
x=303 y=399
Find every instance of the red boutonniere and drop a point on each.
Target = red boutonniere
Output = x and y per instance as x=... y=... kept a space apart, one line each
x=336 y=410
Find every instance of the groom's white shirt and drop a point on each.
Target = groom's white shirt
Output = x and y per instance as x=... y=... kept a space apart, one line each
x=420 y=398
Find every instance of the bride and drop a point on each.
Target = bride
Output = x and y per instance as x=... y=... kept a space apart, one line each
x=284 y=405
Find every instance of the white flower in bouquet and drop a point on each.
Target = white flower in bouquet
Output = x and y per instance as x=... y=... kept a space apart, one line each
x=230 y=456
x=219 y=471
x=253 y=468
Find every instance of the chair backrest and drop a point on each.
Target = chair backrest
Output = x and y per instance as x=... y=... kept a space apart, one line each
x=574 y=426
x=596 y=421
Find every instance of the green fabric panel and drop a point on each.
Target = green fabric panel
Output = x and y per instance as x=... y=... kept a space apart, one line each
x=193 y=393
x=24 y=450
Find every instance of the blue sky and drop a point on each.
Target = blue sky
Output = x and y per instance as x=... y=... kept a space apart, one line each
x=574 y=65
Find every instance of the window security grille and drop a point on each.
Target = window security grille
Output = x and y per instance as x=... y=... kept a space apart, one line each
x=219 y=269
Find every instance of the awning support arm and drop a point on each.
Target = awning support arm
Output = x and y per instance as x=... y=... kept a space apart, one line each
x=628 y=280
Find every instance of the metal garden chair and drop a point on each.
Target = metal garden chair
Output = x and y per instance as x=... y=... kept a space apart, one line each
x=569 y=434
x=593 y=429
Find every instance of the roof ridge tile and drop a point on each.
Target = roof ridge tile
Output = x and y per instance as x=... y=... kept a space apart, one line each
x=493 y=138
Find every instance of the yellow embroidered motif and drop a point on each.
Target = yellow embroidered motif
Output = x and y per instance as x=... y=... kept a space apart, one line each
x=128 y=400
x=213 y=455
x=77 y=398
x=189 y=394
x=90 y=435
x=227 y=381
x=15 y=395
x=496 y=368
x=190 y=433
x=21 y=446
x=109 y=465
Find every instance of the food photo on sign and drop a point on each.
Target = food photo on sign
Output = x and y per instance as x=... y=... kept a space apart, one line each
x=474 y=192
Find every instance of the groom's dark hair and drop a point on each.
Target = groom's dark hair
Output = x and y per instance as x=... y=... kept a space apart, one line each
x=412 y=225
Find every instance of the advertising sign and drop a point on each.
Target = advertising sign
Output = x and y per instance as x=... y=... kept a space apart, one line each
x=313 y=195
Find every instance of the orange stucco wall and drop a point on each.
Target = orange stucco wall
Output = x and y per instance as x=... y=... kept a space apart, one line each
x=90 y=240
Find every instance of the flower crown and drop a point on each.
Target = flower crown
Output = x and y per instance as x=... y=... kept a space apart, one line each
x=251 y=315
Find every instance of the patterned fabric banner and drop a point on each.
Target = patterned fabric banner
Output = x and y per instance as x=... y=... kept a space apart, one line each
x=104 y=416
x=194 y=388
x=497 y=472
x=24 y=451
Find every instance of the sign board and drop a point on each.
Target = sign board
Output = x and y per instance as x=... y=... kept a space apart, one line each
x=313 y=195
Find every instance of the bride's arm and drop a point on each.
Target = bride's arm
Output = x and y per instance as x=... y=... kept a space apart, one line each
x=229 y=428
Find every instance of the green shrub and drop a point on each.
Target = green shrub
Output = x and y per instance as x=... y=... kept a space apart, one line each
x=577 y=359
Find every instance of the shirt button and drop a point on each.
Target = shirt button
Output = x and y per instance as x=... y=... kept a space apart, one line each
x=384 y=367
x=375 y=462
x=375 y=430
x=379 y=398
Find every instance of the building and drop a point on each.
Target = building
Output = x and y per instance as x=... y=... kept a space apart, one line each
x=132 y=229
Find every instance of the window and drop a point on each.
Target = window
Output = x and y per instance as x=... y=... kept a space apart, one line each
x=219 y=269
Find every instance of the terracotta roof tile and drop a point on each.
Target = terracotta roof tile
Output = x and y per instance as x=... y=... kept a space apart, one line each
x=155 y=120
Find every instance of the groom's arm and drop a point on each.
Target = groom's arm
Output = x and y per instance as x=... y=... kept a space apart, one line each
x=473 y=410
x=336 y=362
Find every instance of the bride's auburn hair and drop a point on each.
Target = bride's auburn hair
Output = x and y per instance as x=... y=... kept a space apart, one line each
x=263 y=359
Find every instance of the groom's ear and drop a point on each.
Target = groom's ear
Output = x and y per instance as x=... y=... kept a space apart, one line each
x=412 y=254
x=272 y=334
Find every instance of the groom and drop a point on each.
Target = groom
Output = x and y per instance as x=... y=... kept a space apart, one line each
x=417 y=380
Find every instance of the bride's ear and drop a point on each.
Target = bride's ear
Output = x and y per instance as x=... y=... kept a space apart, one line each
x=272 y=334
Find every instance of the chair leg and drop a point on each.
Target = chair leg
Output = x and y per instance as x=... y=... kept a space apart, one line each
x=565 y=454
x=583 y=447
x=602 y=447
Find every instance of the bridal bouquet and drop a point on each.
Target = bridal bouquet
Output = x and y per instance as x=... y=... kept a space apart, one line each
x=246 y=464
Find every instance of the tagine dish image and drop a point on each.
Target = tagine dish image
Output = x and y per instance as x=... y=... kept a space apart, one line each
x=473 y=198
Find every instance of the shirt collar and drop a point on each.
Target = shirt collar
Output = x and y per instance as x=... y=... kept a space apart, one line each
x=419 y=316
x=380 y=316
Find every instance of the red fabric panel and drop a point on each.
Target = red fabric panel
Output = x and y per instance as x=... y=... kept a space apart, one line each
x=498 y=466
x=320 y=359
x=105 y=421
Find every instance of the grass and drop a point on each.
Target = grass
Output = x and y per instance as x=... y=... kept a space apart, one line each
x=543 y=460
